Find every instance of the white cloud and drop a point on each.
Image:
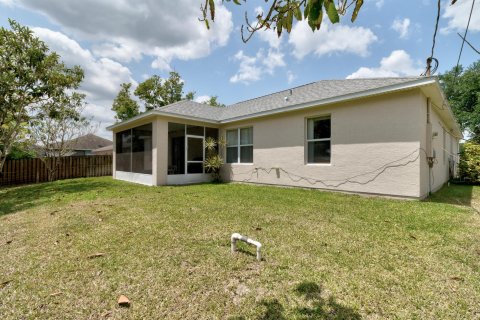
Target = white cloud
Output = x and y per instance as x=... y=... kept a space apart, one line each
x=290 y=77
x=252 y=68
x=379 y=3
x=249 y=71
x=402 y=27
x=103 y=76
x=202 y=99
x=330 y=39
x=457 y=16
x=271 y=37
x=8 y=3
x=397 y=64
x=273 y=60
x=125 y=31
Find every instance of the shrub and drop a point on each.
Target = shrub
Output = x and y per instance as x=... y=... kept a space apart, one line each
x=469 y=166
x=213 y=162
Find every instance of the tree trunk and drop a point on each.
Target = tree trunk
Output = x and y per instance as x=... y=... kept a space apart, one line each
x=51 y=163
x=3 y=158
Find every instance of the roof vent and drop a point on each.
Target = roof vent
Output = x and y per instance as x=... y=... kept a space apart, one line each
x=286 y=99
x=290 y=91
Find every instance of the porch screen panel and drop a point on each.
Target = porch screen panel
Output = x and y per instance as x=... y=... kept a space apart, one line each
x=176 y=148
x=123 y=151
x=194 y=155
x=142 y=149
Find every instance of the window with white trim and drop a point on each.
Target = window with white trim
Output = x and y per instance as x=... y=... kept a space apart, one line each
x=240 y=145
x=319 y=140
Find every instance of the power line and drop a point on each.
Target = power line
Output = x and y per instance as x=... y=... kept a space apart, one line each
x=436 y=28
x=429 y=70
x=471 y=46
x=464 y=37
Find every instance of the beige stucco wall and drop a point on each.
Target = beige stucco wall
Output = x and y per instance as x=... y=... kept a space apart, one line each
x=378 y=146
x=375 y=147
x=444 y=146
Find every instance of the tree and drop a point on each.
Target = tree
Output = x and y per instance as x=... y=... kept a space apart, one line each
x=56 y=126
x=123 y=105
x=462 y=90
x=29 y=75
x=156 y=92
x=190 y=96
x=281 y=14
x=213 y=102
x=21 y=151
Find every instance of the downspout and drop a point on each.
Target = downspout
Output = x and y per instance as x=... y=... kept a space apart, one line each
x=429 y=138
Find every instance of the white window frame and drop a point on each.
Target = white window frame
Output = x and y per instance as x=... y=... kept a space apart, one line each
x=323 y=117
x=186 y=149
x=238 y=145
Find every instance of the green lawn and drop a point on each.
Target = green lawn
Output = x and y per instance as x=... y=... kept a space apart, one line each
x=327 y=255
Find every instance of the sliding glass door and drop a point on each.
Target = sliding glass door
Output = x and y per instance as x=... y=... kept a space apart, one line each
x=186 y=148
x=195 y=154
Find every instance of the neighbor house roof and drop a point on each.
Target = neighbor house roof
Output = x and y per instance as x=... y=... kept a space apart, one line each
x=90 y=142
x=308 y=95
x=103 y=150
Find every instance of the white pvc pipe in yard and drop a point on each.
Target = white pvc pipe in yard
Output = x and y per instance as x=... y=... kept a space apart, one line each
x=236 y=236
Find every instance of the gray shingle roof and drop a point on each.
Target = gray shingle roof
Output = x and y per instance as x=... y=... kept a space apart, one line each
x=315 y=91
x=193 y=109
x=325 y=91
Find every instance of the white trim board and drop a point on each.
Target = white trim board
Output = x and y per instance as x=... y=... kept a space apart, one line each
x=179 y=179
x=146 y=179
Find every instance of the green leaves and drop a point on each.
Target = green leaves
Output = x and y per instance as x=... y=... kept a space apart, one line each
x=156 y=92
x=123 y=105
x=332 y=11
x=462 y=90
x=280 y=14
x=211 y=3
x=30 y=74
x=298 y=13
x=315 y=14
x=358 y=5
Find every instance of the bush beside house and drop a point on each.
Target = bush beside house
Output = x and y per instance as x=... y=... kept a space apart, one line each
x=469 y=165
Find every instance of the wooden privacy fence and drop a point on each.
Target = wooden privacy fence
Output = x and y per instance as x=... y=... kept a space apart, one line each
x=34 y=171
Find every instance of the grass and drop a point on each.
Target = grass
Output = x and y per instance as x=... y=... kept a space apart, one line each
x=327 y=256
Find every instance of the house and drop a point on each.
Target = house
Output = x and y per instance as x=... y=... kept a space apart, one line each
x=389 y=136
x=103 y=151
x=85 y=145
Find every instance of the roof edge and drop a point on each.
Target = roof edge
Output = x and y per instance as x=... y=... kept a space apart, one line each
x=160 y=113
x=347 y=97
x=352 y=96
x=449 y=110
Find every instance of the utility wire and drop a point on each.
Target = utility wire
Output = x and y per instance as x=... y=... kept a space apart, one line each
x=429 y=70
x=436 y=28
x=464 y=38
x=471 y=46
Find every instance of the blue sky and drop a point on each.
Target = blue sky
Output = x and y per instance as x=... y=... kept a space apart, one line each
x=116 y=41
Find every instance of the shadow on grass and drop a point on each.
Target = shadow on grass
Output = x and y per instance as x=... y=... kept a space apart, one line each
x=318 y=307
x=14 y=199
x=453 y=194
x=321 y=308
